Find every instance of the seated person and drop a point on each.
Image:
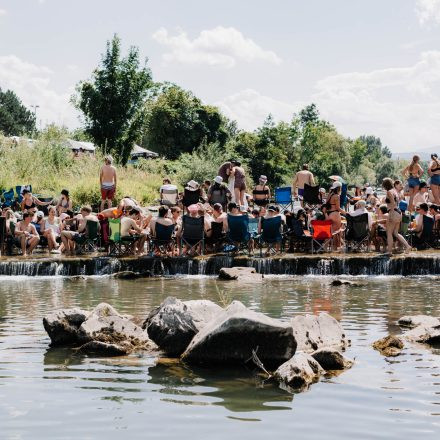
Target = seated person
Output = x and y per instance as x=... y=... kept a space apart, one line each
x=38 y=221
x=29 y=201
x=50 y=229
x=64 y=203
x=219 y=216
x=168 y=193
x=218 y=192
x=26 y=235
x=421 y=196
x=360 y=209
x=127 y=203
x=131 y=229
x=68 y=236
x=422 y=211
x=163 y=218
x=378 y=228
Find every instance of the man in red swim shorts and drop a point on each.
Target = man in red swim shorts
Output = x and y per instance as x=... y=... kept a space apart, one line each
x=107 y=180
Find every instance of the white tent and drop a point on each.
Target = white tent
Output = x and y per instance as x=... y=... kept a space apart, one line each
x=138 y=151
x=77 y=145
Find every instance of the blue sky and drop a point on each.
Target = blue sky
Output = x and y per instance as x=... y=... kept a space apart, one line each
x=372 y=67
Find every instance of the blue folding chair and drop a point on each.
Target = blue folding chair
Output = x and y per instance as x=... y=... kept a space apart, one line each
x=271 y=234
x=283 y=197
x=163 y=243
x=9 y=198
x=238 y=233
x=343 y=196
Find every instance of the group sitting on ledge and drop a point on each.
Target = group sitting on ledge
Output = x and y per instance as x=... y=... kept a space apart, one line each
x=223 y=218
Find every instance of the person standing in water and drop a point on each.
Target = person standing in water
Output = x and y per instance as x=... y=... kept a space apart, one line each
x=413 y=172
x=107 y=181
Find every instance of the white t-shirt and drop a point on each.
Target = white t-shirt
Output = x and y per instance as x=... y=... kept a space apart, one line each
x=361 y=211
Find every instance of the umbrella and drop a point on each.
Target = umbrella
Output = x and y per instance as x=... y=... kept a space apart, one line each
x=337 y=178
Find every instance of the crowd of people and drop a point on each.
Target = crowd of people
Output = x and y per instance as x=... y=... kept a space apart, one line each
x=55 y=224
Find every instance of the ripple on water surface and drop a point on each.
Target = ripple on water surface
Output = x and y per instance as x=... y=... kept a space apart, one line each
x=54 y=393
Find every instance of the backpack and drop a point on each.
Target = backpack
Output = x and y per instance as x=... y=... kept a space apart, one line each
x=218 y=194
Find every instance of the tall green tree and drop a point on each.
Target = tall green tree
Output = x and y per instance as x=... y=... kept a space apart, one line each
x=15 y=118
x=112 y=101
x=178 y=122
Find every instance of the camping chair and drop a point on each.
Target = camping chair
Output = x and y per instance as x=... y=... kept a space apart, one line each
x=193 y=235
x=322 y=235
x=119 y=245
x=426 y=239
x=217 y=238
x=283 y=197
x=9 y=198
x=169 y=197
x=298 y=240
x=404 y=224
x=357 y=234
x=88 y=242
x=190 y=197
x=163 y=243
x=271 y=235
x=311 y=196
x=238 y=233
x=436 y=234
x=19 y=191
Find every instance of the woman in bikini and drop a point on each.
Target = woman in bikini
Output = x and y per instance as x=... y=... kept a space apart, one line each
x=334 y=213
x=434 y=172
x=394 y=217
x=239 y=182
x=413 y=172
x=65 y=203
x=261 y=192
x=29 y=201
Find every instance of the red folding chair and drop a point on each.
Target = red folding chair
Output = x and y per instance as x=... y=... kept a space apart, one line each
x=322 y=234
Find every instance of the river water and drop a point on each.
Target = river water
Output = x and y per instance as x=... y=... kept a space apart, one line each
x=52 y=393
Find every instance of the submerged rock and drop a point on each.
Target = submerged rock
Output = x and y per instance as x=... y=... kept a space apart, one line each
x=231 y=337
x=130 y=275
x=98 y=348
x=331 y=359
x=174 y=323
x=62 y=326
x=313 y=332
x=248 y=274
x=389 y=345
x=299 y=372
x=337 y=282
x=416 y=320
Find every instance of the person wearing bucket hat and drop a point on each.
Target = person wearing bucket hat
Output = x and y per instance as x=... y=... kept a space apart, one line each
x=434 y=172
x=218 y=192
x=334 y=212
x=261 y=192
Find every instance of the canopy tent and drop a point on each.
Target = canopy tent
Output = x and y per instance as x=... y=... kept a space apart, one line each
x=138 y=151
x=78 y=146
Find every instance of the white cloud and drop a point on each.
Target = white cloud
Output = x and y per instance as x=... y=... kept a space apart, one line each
x=2 y=12
x=249 y=108
x=32 y=84
x=219 y=46
x=399 y=104
x=428 y=11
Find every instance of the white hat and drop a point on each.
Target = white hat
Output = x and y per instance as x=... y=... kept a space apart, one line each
x=322 y=190
x=192 y=185
x=263 y=178
x=369 y=190
x=218 y=179
x=336 y=184
x=361 y=203
x=40 y=214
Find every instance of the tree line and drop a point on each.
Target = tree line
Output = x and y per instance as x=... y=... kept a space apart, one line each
x=121 y=104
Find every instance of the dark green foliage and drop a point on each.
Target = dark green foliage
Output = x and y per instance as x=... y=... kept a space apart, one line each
x=112 y=101
x=178 y=122
x=15 y=118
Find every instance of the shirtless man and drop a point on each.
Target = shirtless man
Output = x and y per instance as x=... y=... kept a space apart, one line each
x=301 y=178
x=130 y=227
x=68 y=237
x=107 y=180
x=26 y=234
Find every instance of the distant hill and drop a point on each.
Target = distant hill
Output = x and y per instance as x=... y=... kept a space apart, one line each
x=424 y=154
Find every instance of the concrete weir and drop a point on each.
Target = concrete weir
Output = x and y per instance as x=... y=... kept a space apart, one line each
x=420 y=263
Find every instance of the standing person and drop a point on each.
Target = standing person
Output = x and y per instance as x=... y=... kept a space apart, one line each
x=434 y=172
x=225 y=170
x=301 y=178
x=261 y=192
x=239 y=182
x=394 y=217
x=413 y=172
x=107 y=180
x=334 y=212
x=30 y=201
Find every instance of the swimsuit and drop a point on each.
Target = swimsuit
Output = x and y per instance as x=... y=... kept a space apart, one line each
x=261 y=192
x=240 y=181
x=107 y=190
x=413 y=181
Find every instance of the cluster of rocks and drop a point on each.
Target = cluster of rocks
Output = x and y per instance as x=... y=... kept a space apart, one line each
x=422 y=329
x=199 y=332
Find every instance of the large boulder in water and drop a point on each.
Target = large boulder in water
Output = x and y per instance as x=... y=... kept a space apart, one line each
x=62 y=326
x=412 y=321
x=423 y=334
x=174 y=323
x=98 y=348
x=105 y=324
x=313 y=332
x=235 y=333
x=245 y=274
x=389 y=345
x=299 y=372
